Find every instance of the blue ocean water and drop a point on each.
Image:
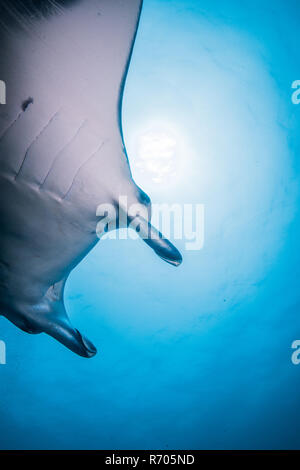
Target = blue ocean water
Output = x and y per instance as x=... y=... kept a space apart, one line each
x=197 y=357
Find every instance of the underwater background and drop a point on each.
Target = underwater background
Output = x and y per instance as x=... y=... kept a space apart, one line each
x=197 y=357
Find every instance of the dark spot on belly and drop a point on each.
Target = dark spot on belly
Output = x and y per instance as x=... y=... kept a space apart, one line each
x=27 y=103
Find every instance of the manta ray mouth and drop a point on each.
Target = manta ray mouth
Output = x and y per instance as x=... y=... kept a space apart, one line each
x=167 y=252
x=159 y=244
x=89 y=350
x=174 y=262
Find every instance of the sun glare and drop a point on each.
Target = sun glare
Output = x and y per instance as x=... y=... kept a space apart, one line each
x=156 y=155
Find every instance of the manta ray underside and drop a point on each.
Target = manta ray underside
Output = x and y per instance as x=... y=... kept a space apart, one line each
x=62 y=152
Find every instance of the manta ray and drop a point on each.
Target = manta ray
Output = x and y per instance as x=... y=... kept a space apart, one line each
x=62 y=152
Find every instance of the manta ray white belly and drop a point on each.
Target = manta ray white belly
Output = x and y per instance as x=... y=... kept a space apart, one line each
x=61 y=151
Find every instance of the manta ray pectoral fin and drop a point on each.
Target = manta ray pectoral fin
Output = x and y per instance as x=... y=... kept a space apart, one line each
x=153 y=238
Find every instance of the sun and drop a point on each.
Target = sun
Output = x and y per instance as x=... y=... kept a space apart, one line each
x=156 y=155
